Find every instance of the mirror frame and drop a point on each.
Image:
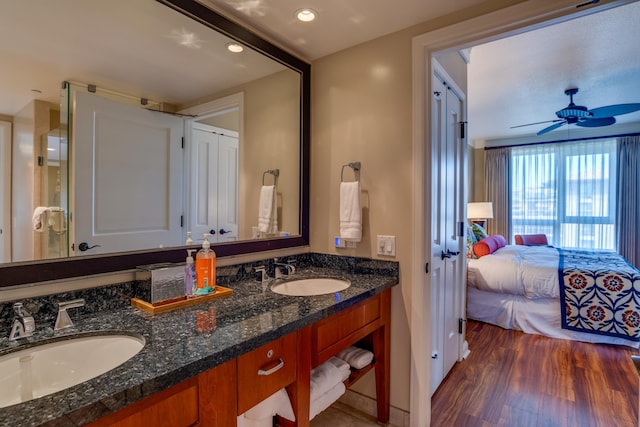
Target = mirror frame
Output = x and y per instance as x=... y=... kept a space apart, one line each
x=22 y=273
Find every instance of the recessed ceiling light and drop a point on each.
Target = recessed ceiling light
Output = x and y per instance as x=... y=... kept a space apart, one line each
x=234 y=47
x=306 y=15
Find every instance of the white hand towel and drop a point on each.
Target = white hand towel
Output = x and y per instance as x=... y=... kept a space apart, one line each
x=350 y=211
x=324 y=401
x=358 y=358
x=267 y=210
x=323 y=378
x=343 y=366
x=38 y=219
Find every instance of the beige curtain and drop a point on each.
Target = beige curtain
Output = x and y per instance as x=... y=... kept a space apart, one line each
x=628 y=208
x=497 y=171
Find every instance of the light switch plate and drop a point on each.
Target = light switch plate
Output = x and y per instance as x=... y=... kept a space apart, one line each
x=386 y=245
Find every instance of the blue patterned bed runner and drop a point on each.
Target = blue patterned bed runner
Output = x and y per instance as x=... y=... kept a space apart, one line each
x=599 y=293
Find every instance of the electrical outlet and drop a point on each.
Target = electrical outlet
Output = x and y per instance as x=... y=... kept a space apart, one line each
x=386 y=245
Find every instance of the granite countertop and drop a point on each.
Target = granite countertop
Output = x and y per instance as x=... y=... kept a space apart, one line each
x=174 y=350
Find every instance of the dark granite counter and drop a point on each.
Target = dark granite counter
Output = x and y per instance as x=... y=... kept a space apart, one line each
x=174 y=350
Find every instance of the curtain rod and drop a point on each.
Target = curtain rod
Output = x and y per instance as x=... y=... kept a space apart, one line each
x=563 y=140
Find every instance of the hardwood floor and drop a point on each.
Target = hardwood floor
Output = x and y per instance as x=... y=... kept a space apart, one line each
x=516 y=379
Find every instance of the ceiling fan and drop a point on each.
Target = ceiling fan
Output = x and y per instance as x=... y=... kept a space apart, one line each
x=581 y=116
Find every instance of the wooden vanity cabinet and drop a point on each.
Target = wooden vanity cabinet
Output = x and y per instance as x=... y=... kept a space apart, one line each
x=215 y=398
x=207 y=400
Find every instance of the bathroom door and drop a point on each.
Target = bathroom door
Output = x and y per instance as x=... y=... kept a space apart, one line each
x=127 y=177
x=447 y=284
x=214 y=183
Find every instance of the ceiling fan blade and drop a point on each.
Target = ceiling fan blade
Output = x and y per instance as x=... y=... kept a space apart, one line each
x=614 y=110
x=538 y=123
x=550 y=128
x=594 y=123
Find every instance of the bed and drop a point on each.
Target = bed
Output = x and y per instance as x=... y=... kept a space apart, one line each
x=590 y=296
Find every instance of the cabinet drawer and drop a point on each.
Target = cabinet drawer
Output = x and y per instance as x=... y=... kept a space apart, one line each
x=265 y=370
x=331 y=330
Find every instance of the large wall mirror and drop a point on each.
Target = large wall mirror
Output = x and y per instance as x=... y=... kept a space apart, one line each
x=81 y=196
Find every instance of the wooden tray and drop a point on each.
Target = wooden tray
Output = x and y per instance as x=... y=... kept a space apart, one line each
x=164 y=306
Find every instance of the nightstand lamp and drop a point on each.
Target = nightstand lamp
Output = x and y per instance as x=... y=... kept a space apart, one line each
x=479 y=212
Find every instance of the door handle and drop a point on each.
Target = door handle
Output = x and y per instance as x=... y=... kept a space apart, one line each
x=212 y=231
x=454 y=253
x=84 y=246
x=223 y=231
x=444 y=255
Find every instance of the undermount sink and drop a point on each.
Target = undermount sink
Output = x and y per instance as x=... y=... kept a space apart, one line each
x=48 y=368
x=310 y=287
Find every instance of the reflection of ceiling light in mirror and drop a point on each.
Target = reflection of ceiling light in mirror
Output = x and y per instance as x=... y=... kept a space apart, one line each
x=248 y=7
x=306 y=15
x=186 y=38
x=234 y=47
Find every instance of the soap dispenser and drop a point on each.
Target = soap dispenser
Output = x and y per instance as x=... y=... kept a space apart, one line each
x=190 y=275
x=205 y=268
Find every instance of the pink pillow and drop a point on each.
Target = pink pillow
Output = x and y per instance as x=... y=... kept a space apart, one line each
x=489 y=245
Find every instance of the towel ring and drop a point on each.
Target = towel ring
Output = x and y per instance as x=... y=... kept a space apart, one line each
x=275 y=173
x=353 y=165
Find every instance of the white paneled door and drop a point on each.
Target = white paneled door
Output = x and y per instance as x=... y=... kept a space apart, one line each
x=127 y=177
x=214 y=183
x=5 y=191
x=447 y=270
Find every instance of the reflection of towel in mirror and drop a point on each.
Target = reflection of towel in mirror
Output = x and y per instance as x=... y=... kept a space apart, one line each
x=350 y=211
x=267 y=218
x=39 y=215
x=358 y=358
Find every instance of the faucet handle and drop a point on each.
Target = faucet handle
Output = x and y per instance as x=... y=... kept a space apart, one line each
x=23 y=325
x=63 y=320
x=263 y=273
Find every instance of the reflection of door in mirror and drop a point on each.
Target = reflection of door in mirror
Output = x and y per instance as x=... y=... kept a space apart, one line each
x=127 y=174
x=214 y=183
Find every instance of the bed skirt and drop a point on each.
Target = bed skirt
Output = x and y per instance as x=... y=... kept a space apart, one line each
x=532 y=316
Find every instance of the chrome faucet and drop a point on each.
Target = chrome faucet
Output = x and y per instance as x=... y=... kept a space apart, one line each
x=63 y=320
x=284 y=268
x=23 y=325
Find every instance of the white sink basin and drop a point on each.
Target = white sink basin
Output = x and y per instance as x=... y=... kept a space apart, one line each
x=47 y=368
x=309 y=287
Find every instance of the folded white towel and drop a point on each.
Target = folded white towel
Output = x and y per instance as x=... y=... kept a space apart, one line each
x=267 y=210
x=350 y=211
x=343 y=366
x=277 y=403
x=324 y=401
x=358 y=358
x=323 y=378
x=38 y=218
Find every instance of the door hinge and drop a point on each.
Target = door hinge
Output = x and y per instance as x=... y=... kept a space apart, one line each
x=181 y=221
x=40 y=161
x=461 y=325
x=182 y=142
x=426 y=268
x=462 y=229
x=463 y=126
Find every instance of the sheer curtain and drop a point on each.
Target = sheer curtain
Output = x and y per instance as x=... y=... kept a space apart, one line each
x=497 y=163
x=567 y=191
x=628 y=191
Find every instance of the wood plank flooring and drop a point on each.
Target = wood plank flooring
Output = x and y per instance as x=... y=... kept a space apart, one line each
x=520 y=380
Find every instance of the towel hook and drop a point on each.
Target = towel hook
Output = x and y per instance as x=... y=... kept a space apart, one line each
x=353 y=165
x=275 y=173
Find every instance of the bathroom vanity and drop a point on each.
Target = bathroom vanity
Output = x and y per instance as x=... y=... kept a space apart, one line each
x=262 y=341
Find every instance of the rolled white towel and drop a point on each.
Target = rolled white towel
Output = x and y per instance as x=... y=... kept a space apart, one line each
x=323 y=378
x=343 y=366
x=325 y=400
x=356 y=357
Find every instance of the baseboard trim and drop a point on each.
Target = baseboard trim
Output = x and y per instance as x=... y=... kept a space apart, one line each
x=366 y=404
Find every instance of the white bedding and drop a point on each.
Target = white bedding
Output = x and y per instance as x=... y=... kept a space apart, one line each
x=530 y=271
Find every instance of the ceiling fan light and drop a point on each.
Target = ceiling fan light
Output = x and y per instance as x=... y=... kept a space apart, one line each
x=576 y=111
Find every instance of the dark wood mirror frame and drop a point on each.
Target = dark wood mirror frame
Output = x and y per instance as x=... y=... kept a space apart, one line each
x=67 y=268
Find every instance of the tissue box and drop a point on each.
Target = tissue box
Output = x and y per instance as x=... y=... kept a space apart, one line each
x=160 y=282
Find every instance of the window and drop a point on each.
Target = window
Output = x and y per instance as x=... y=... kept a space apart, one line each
x=567 y=191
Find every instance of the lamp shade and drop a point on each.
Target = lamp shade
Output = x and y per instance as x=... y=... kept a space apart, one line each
x=480 y=210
